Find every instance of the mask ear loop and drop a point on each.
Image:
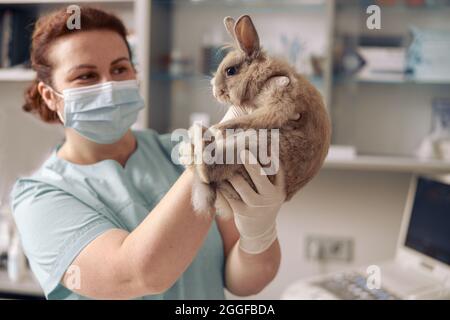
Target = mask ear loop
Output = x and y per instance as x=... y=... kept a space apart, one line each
x=62 y=97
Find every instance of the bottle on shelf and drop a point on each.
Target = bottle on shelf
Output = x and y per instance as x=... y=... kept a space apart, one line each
x=5 y=236
x=437 y=144
x=17 y=264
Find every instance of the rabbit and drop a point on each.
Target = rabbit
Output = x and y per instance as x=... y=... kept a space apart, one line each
x=245 y=78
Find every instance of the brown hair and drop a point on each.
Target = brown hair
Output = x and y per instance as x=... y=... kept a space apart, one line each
x=47 y=30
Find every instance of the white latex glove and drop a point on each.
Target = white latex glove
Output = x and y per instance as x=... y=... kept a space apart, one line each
x=255 y=216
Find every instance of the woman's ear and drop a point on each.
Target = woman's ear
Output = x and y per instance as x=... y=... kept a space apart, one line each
x=246 y=36
x=48 y=96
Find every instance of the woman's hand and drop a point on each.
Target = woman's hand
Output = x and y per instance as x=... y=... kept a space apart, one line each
x=255 y=215
x=250 y=239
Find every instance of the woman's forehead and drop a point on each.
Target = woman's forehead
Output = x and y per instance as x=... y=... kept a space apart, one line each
x=99 y=47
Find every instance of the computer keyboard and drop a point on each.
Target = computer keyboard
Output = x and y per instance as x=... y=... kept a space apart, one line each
x=353 y=286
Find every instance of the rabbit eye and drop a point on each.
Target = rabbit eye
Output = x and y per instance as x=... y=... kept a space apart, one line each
x=231 y=71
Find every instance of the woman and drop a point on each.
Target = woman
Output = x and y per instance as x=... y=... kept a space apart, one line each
x=108 y=215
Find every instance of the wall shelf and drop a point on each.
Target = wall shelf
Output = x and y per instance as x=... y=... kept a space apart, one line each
x=302 y=5
x=17 y=75
x=388 y=163
x=400 y=79
x=356 y=5
x=13 y=2
x=390 y=79
x=166 y=76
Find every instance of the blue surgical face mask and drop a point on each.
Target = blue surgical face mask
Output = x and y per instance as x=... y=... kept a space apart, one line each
x=104 y=112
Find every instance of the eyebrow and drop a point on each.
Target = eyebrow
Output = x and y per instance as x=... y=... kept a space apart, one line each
x=119 y=59
x=82 y=66
x=91 y=66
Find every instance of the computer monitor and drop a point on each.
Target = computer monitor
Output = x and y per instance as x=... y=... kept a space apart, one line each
x=425 y=235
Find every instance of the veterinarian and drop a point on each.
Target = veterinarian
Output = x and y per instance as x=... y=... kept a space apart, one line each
x=108 y=215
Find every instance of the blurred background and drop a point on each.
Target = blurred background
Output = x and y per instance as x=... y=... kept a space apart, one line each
x=387 y=91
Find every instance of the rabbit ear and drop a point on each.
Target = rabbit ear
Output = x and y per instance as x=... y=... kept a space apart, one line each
x=246 y=36
x=229 y=25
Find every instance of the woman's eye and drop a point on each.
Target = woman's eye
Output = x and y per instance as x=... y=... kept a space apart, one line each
x=86 y=76
x=120 y=70
x=231 y=71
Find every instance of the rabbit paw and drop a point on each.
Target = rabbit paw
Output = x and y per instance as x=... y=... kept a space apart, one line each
x=189 y=151
x=186 y=153
x=202 y=173
x=202 y=168
x=203 y=197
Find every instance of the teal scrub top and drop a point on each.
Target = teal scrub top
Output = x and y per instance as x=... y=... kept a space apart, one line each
x=64 y=206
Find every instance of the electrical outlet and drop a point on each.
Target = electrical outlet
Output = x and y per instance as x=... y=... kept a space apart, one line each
x=328 y=248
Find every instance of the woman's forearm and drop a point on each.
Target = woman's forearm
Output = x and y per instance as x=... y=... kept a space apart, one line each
x=167 y=241
x=248 y=274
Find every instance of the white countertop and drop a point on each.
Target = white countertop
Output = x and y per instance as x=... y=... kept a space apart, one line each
x=28 y=286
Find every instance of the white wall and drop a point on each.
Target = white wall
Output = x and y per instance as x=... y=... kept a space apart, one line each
x=25 y=142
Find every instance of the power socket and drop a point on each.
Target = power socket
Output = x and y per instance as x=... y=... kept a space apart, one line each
x=329 y=248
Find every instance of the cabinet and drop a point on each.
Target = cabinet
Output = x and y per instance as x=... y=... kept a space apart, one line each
x=383 y=117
